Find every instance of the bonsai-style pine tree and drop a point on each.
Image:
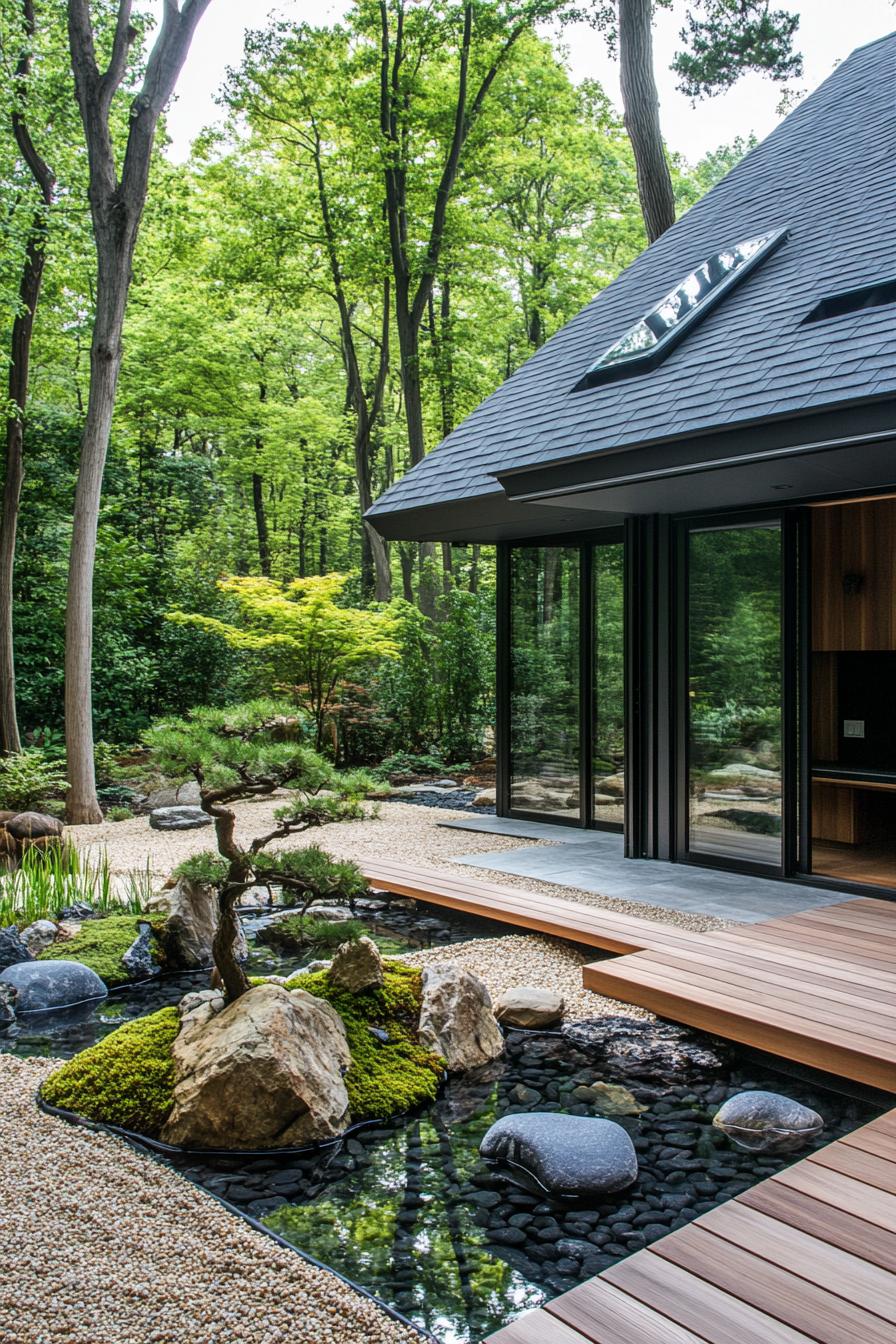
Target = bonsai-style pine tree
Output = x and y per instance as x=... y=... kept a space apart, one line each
x=249 y=751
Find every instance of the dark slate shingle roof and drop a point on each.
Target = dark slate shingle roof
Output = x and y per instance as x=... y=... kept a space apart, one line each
x=828 y=172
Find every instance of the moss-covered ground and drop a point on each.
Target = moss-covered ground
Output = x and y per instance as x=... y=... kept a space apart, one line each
x=126 y=1079
x=385 y=1077
x=101 y=944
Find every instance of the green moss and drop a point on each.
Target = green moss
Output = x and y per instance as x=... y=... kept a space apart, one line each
x=101 y=944
x=383 y=1079
x=125 y=1079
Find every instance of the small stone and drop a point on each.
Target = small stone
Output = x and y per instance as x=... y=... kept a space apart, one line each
x=39 y=936
x=767 y=1122
x=529 y=1006
x=564 y=1156
x=358 y=966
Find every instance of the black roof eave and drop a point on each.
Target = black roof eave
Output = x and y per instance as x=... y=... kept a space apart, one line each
x=597 y=491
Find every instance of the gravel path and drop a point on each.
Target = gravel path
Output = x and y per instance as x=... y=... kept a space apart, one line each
x=101 y=1245
x=401 y=831
x=521 y=959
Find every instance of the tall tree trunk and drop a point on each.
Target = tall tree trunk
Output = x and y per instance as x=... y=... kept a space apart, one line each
x=261 y=524
x=14 y=473
x=116 y=206
x=19 y=363
x=105 y=362
x=407 y=573
x=640 y=103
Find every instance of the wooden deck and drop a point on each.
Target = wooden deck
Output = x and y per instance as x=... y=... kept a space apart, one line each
x=818 y=987
x=806 y=1257
x=554 y=915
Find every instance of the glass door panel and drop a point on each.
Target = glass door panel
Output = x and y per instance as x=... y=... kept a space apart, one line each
x=609 y=684
x=735 y=693
x=545 y=708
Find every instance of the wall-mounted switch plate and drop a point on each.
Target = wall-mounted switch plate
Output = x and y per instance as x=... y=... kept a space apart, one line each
x=853 y=727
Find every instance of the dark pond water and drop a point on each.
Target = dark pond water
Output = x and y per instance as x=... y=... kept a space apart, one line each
x=396 y=928
x=411 y=1212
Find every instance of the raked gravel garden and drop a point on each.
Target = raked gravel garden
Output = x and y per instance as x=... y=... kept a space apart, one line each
x=442 y=1163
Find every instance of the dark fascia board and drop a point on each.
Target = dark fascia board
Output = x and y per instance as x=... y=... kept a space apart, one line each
x=485 y=519
x=832 y=427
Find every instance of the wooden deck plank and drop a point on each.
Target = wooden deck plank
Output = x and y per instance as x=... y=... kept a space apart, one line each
x=605 y=1315
x=842 y=1228
x=860 y=1165
x=689 y=1300
x=537 y=1327
x=769 y=1288
x=843 y=1192
x=798 y=1252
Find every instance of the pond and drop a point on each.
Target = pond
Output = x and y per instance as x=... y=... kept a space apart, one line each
x=396 y=926
x=410 y=1211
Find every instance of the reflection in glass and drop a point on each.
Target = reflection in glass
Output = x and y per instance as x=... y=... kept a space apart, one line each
x=710 y=278
x=609 y=684
x=734 y=646
x=544 y=695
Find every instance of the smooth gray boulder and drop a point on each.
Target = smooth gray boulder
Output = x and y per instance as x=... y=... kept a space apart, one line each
x=179 y=819
x=12 y=949
x=767 y=1122
x=43 y=985
x=563 y=1156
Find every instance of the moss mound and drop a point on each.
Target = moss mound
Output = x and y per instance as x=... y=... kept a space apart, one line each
x=126 y=1079
x=385 y=1077
x=101 y=944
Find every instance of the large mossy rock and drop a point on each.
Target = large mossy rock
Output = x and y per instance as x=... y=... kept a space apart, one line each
x=125 y=1079
x=565 y=1156
x=265 y=1072
x=456 y=1018
x=44 y=985
x=392 y=1070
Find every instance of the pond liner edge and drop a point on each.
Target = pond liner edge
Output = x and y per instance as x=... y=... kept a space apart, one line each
x=155 y=1150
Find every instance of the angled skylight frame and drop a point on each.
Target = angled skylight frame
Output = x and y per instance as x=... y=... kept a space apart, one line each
x=655 y=335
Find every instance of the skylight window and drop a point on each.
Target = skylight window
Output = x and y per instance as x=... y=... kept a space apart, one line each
x=648 y=342
x=879 y=294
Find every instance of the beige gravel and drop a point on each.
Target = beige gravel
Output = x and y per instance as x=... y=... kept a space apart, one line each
x=401 y=831
x=101 y=1245
x=546 y=963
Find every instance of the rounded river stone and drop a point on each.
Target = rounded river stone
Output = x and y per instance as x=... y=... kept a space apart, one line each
x=40 y=985
x=566 y=1156
x=178 y=819
x=766 y=1122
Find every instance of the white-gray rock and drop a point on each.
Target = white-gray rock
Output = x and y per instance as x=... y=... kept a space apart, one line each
x=486 y=798
x=456 y=1018
x=767 y=1122
x=564 y=1156
x=179 y=819
x=39 y=936
x=264 y=1072
x=357 y=966
x=139 y=960
x=529 y=1006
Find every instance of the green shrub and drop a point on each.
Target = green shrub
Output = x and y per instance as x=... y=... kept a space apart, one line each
x=119 y=814
x=26 y=778
x=300 y=931
x=207 y=866
x=101 y=944
x=312 y=874
x=126 y=1079
x=384 y=1078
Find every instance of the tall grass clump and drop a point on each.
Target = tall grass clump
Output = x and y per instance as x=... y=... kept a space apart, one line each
x=49 y=879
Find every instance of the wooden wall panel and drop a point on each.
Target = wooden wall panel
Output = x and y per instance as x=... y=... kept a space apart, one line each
x=857 y=539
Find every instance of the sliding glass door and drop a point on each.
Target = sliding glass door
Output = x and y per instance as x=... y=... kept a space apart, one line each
x=566 y=669
x=734 y=687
